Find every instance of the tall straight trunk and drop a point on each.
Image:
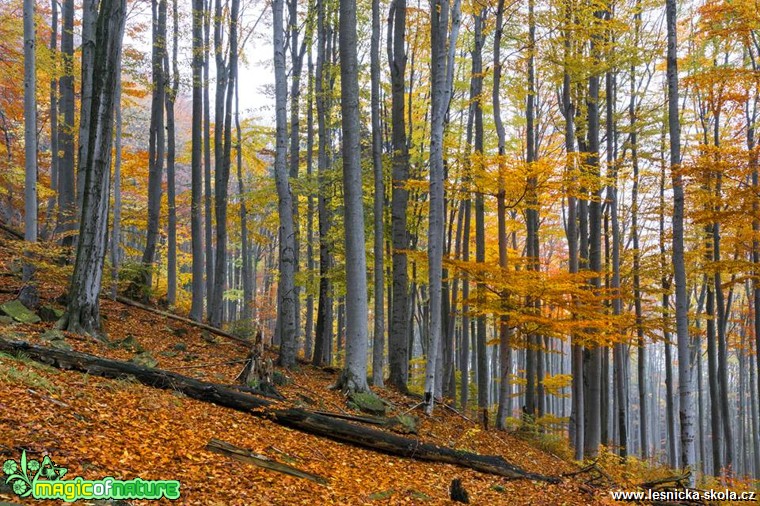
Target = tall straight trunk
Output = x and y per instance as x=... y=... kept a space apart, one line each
x=53 y=113
x=722 y=317
x=89 y=19
x=594 y=364
x=480 y=257
x=324 y=327
x=116 y=227
x=379 y=201
x=577 y=420
x=619 y=349
x=532 y=350
x=171 y=150
x=245 y=253
x=641 y=368
x=30 y=125
x=66 y=196
x=665 y=283
x=83 y=311
x=685 y=376
x=310 y=210
x=207 y=190
x=751 y=115
x=505 y=350
x=354 y=375
x=155 y=144
x=285 y=302
x=296 y=56
x=398 y=358
x=196 y=218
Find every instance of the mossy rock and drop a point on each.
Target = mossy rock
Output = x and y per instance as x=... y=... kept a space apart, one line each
x=405 y=424
x=144 y=359
x=380 y=496
x=53 y=335
x=6 y=320
x=130 y=343
x=19 y=312
x=180 y=347
x=50 y=313
x=367 y=402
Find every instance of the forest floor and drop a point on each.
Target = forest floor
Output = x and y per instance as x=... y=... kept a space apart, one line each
x=101 y=427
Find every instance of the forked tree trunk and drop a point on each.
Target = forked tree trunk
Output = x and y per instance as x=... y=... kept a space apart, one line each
x=83 y=311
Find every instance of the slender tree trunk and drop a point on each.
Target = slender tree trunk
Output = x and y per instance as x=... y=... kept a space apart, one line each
x=379 y=201
x=685 y=376
x=53 y=113
x=309 y=339
x=66 y=196
x=196 y=223
x=244 y=246
x=398 y=358
x=170 y=99
x=30 y=124
x=116 y=227
x=208 y=230
x=285 y=302
x=155 y=145
x=354 y=375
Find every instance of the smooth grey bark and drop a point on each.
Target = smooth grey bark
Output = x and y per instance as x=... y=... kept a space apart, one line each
x=53 y=114
x=505 y=350
x=156 y=144
x=620 y=359
x=532 y=352
x=594 y=362
x=641 y=368
x=751 y=116
x=66 y=196
x=116 y=226
x=442 y=62
x=398 y=357
x=207 y=178
x=245 y=253
x=285 y=302
x=685 y=376
x=296 y=58
x=89 y=19
x=354 y=375
x=83 y=311
x=310 y=210
x=379 y=202
x=196 y=184
x=324 y=327
x=30 y=125
x=170 y=97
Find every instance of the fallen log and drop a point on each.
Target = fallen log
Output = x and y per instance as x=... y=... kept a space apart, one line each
x=392 y=444
x=249 y=457
x=302 y=420
x=187 y=321
x=158 y=378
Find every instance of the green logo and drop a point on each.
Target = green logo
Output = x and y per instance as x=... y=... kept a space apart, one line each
x=44 y=480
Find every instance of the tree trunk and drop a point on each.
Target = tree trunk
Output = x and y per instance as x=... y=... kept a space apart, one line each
x=66 y=197
x=207 y=201
x=155 y=146
x=379 y=202
x=116 y=252
x=83 y=311
x=30 y=125
x=354 y=375
x=310 y=209
x=398 y=358
x=285 y=302
x=89 y=19
x=170 y=99
x=685 y=376
x=196 y=224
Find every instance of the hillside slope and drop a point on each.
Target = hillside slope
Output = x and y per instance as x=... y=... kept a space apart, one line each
x=99 y=427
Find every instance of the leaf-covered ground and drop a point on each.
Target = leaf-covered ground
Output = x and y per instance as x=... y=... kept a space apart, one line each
x=99 y=427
